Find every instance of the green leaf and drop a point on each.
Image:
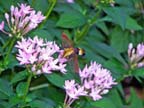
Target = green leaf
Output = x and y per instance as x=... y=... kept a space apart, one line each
x=120 y=39
x=132 y=24
x=95 y=34
x=64 y=7
x=56 y=79
x=118 y=15
x=138 y=72
x=12 y=62
x=40 y=5
x=56 y=94
x=91 y=55
x=114 y=96
x=42 y=34
x=30 y=97
x=3 y=96
x=120 y=90
x=5 y=88
x=77 y=7
x=117 y=69
x=14 y=100
x=6 y=4
x=29 y=1
x=19 y=76
x=104 y=103
x=103 y=27
x=135 y=101
x=2 y=67
x=106 y=51
x=52 y=30
x=20 y=89
x=125 y=2
x=4 y=104
x=59 y=79
x=89 y=2
x=71 y=19
x=51 y=92
x=40 y=104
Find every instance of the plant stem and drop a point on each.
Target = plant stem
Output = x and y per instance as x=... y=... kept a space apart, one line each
x=93 y=20
x=12 y=42
x=39 y=87
x=80 y=35
x=6 y=44
x=28 y=84
x=26 y=88
x=33 y=2
x=51 y=8
x=49 y=12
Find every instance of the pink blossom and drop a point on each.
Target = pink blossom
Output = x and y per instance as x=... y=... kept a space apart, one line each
x=98 y=79
x=95 y=81
x=2 y=25
x=61 y=67
x=24 y=9
x=140 y=50
x=136 y=55
x=22 y=19
x=39 y=55
x=69 y=84
x=84 y=73
x=70 y=1
x=95 y=94
x=74 y=91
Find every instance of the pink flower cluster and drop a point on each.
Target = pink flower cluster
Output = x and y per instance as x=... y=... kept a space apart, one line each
x=70 y=1
x=21 y=20
x=136 y=55
x=95 y=81
x=40 y=56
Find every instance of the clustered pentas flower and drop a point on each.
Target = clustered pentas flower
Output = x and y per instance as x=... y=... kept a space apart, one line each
x=40 y=56
x=136 y=55
x=95 y=81
x=21 y=20
x=70 y=1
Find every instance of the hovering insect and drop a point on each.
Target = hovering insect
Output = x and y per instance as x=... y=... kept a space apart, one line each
x=70 y=52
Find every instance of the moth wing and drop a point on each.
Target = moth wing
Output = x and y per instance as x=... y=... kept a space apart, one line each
x=66 y=42
x=73 y=63
x=76 y=65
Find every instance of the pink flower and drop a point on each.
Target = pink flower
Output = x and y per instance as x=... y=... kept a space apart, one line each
x=136 y=55
x=24 y=9
x=2 y=25
x=69 y=84
x=40 y=55
x=74 y=91
x=95 y=94
x=22 y=19
x=140 y=50
x=70 y=1
x=95 y=81
x=84 y=73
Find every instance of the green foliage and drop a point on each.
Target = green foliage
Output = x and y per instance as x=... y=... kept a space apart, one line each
x=6 y=88
x=71 y=19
